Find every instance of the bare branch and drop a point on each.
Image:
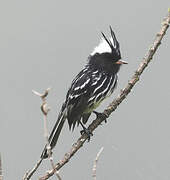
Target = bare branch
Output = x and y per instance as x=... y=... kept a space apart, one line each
x=113 y=106
x=1 y=176
x=44 y=95
x=45 y=109
x=95 y=163
x=29 y=173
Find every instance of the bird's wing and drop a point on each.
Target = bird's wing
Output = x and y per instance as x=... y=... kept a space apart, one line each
x=77 y=97
x=88 y=89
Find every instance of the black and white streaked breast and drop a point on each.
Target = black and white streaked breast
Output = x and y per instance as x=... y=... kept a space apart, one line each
x=90 y=87
x=102 y=86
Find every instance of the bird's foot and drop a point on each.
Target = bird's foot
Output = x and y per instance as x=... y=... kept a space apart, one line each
x=101 y=116
x=88 y=132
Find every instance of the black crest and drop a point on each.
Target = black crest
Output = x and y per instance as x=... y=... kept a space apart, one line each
x=113 y=43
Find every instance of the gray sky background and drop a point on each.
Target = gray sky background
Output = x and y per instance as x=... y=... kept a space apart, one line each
x=45 y=44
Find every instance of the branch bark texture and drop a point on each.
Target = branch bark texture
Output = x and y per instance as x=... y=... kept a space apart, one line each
x=116 y=102
x=113 y=106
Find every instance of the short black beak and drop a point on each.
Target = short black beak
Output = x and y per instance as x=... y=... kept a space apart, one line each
x=121 y=62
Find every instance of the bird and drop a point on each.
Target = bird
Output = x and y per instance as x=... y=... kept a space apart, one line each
x=95 y=82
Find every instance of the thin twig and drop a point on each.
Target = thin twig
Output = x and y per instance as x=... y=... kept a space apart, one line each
x=113 y=106
x=95 y=163
x=1 y=176
x=45 y=109
x=29 y=173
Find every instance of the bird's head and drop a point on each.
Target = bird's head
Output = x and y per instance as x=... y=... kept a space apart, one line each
x=107 y=53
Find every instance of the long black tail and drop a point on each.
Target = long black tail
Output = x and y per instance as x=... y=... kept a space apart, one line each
x=55 y=132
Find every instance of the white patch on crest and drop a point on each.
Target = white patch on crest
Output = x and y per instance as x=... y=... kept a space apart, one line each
x=103 y=47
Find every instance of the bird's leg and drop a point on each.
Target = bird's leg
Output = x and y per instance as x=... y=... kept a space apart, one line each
x=86 y=131
x=101 y=115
